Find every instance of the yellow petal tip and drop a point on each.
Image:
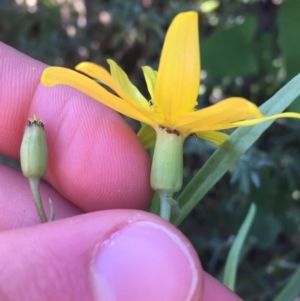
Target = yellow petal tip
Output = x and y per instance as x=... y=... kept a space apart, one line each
x=46 y=78
x=81 y=66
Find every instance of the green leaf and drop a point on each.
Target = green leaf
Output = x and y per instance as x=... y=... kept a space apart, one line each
x=264 y=54
x=237 y=144
x=234 y=253
x=266 y=220
x=228 y=52
x=291 y=291
x=289 y=40
x=289 y=35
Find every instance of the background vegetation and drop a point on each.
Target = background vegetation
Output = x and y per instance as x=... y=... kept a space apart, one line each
x=249 y=49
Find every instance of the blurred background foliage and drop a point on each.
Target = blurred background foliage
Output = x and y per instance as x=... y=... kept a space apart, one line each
x=248 y=48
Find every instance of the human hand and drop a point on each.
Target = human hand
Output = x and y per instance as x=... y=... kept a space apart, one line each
x=95 y=163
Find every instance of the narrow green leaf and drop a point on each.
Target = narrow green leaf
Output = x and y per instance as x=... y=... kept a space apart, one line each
x=237 y=144
x=292 y=289
x=234 y=253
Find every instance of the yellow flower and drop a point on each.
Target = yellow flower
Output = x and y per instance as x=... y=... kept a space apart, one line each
x=171 y=110
x=173 y=89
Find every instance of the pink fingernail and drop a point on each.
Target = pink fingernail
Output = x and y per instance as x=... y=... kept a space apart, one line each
x=145 y=261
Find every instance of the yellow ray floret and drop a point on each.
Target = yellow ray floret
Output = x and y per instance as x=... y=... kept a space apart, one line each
x=173 y=89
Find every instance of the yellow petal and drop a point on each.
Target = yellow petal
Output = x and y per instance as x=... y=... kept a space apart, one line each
x=217 y=138
x=99 y=73
x=219 y=116
x=128 y=91
x=57 y=75
x=147 y=136
x=263 y=119
x=178 y=77
x=122 y=79
x=150 y=77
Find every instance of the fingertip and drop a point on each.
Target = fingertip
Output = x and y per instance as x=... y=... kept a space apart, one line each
x=109 y=255
x=216 y=291
x=95 y=159
x=146 y=261
x=19 y=77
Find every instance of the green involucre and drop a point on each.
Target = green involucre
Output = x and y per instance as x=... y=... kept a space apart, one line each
x=34 y=150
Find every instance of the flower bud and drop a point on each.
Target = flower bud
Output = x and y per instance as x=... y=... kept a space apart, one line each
x=34 y=150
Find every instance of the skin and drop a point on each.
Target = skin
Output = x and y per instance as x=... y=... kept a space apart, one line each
x=101 y=246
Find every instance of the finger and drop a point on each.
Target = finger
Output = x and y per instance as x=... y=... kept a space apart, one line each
x=95 y=160
x=216 y=291
x=108 y=255
x=17 y=207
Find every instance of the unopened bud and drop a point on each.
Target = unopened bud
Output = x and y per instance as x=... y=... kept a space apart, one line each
x=34 y=150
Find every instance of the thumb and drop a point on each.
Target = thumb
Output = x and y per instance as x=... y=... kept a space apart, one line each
x=109 y=255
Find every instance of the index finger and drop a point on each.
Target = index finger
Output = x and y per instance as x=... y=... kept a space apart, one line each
x=95 y=159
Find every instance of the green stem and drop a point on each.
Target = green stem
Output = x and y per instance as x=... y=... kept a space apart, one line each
x=35 y=189
x=52 y=211
x=165 y=206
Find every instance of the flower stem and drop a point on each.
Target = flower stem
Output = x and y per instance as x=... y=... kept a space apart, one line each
x=35 y=189
x=52 y=211
x=165 y=206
